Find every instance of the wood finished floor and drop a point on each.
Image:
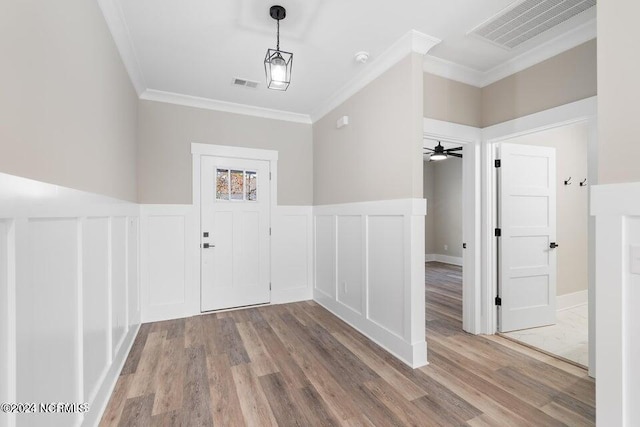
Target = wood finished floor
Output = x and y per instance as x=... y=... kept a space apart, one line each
x=298 y=365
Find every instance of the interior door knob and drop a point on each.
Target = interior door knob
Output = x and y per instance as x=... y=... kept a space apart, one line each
x=553 y=245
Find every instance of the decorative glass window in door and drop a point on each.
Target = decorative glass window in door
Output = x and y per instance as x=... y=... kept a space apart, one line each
x=236 y=185
x=252 y=186
x=222 y=184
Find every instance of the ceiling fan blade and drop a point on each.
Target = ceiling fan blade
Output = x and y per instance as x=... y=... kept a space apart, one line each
x=454 y=149
x=430 y=149
x=456 y=155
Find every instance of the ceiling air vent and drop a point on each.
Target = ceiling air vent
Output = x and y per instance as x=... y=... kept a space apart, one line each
x=251 y=84
x=528 y=19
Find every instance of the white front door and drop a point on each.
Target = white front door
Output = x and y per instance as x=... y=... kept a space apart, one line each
x=234 y=232
x=527 y=254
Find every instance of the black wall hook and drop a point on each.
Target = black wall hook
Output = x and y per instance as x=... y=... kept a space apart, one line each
x=583 y=183
x=567 y=181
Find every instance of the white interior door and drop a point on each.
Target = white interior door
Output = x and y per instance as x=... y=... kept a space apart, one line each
x=527 y=254
x=235 y=232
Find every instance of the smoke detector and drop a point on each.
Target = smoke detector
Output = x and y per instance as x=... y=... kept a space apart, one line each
x=362 y=57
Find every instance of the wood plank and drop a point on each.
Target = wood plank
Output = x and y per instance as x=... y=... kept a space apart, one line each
x=284 y=410
x=170 y=378
x=145 y=378
x=111 y=415
x=233 y=345
x=137 y=411
x=133 y=359
x=196 y=409
x=254 y=404
x=224 y=402
x=260 y=360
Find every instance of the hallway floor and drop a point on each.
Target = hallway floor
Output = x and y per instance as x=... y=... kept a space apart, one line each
x=568 y=338
x=298 y=365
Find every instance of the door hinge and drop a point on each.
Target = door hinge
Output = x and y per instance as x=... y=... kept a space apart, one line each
x=498 y=301
x=497 y=163
x=269 y=285
x=498 y=232
x=269 y=176
x=269 y=231
x=464 y=246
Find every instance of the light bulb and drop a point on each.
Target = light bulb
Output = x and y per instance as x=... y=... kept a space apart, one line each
x=278 y=69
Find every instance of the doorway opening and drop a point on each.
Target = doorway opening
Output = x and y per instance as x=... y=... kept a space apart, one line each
x=443 y=188
x=543 y=240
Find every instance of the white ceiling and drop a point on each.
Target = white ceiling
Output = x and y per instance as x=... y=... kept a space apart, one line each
x=197 y=47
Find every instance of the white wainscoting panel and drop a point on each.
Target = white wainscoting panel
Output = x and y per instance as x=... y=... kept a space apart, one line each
x=63 y=267
x=617 y=211
x=169 y=262
x=325 y=255
x=369 y=271
x=119 y=292
x=351 y=290
x=96 y=316
x=133 y=270
x=7 y=344
x=291 y=254
x=385 y=300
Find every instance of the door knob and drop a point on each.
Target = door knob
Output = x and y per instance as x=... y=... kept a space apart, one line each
x=207 y=246
x=553 y=245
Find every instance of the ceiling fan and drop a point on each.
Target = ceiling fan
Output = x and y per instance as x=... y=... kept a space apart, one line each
x=440 y=153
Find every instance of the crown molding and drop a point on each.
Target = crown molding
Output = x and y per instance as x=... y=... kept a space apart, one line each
x=227 y=107
x=412 y=41
x=453 y=71
x=114 y=17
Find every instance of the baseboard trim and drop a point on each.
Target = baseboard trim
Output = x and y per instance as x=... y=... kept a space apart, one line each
x=453 y=260
x=575 y=299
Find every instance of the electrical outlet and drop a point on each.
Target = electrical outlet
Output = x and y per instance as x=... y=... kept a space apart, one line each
x=446 y=247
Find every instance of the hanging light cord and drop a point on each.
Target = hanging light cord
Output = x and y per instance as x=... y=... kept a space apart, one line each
x=278 y=32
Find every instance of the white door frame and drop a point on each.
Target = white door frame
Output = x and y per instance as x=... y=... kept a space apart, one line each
x=197 y=151
x=584 y=111
x=471 y=212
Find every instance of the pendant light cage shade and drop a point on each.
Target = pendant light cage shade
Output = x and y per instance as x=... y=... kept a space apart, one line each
x=277 y=68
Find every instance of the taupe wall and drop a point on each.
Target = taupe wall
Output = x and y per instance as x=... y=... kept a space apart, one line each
x=165 y=134
x=618 y=91
x=452 y=101
x=567 y=77
x=428 y=188
x=378 y=156
x=444 y=181
x=68 y=110
x=572 y=209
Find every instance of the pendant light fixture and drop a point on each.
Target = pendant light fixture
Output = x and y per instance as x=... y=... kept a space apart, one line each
x=277 y=63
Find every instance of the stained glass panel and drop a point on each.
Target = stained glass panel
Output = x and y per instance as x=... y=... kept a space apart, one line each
x=222 y=184
x=237 y=185
x=252 y=186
